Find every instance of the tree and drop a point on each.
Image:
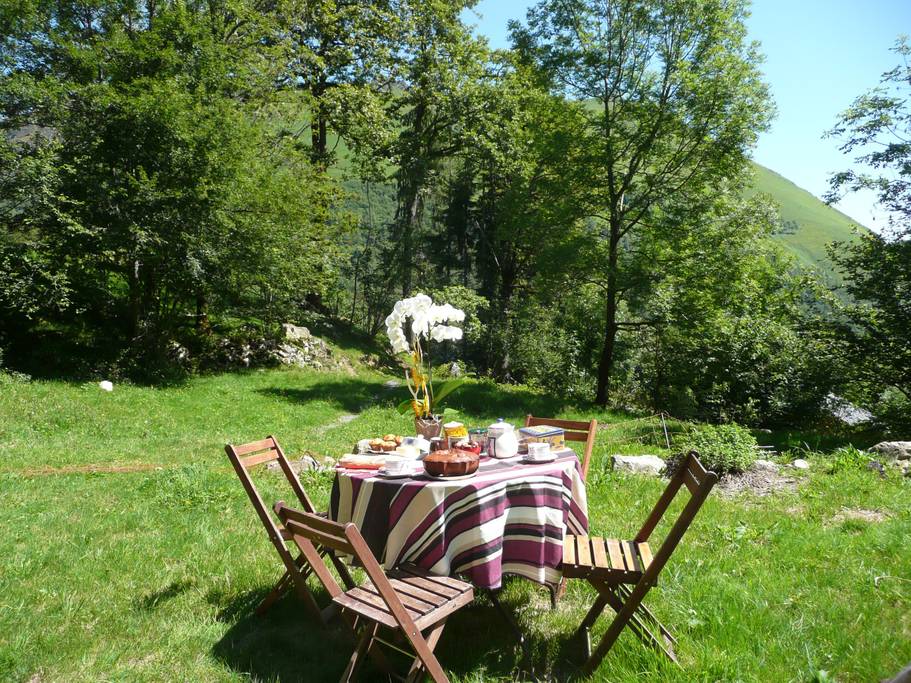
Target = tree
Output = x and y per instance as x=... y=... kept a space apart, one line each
x=876 y=328
x=344 y=54
x=676 y=102
x=443 y=63
x=170 y=190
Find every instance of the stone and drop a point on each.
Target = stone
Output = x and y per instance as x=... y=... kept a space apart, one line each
x=800 y=464
x=392 y=384
x=106 y=385
x=640 y=464
x=295 y=333
x=893 y=450
x=845 y=411
x=767 y=465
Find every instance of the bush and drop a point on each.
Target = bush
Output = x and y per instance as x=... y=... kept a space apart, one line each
x=849 y=458
x=722 y=449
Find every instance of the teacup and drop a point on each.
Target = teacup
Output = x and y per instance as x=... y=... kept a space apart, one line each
x=396 y=466
x=538 y=451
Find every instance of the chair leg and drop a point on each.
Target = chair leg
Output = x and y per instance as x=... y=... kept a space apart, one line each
x=280 y=588
x=624 y=617
x=665 y=632
x=417 y=667
x=638 y=627
x=557 y=590
x=357 y=657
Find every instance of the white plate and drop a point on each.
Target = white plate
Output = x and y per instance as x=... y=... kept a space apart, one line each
x=398 y=475
x=538 y=461
x=455 y=478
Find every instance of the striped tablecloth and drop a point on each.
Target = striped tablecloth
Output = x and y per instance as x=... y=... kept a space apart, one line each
x=509 y=519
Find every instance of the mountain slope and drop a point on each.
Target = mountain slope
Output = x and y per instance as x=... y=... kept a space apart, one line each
x=809 y=223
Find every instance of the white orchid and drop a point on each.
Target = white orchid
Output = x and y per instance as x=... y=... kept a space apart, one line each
x=427 y=322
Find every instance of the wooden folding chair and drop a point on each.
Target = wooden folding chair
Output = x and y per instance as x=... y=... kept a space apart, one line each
x=574 y=430
x=408 y=601
x=247 y=456
x=623 y=571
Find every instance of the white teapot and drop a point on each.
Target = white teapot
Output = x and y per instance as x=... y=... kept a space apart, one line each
x=501 y=440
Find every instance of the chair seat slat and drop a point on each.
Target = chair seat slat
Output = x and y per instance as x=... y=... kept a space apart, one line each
x=629 y=556
x=569 y=549
x=645 y=552
x=584 y=551
x=616 y=556
x=427 y=583
x=599 y=553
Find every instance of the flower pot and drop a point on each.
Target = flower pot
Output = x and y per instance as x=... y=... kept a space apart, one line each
x=428 y=427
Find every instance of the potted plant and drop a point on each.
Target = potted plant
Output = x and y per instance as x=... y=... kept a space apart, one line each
x=412 y=325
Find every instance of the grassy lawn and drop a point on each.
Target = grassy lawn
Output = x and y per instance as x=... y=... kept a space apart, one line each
x=152 y=573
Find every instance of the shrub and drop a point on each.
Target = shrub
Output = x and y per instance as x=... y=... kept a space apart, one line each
x=722 y=449
x=848 y=458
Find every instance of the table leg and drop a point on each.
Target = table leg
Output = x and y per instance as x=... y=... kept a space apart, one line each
x=508 y=618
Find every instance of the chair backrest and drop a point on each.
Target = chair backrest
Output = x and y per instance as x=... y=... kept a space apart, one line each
x=573 y=430
x=308 y=529
x=249 y=455
x=698 y=483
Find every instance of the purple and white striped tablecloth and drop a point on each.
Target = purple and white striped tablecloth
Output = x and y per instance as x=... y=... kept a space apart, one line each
x=509 y=519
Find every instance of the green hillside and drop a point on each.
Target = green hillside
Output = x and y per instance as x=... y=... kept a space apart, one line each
x=808 y=223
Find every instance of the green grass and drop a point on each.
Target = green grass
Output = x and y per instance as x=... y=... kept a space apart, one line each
x=818 y=224
x=152 y=575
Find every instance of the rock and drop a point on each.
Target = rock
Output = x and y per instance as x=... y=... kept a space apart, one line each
x=392 y=384
x=893 y=450
x=106 y=385
x=877 y=466
x=295 y=333
x=845 y=411
x=766 y=465
x=640 y=464
x=800 y=464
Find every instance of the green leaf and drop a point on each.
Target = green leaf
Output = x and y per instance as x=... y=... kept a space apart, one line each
x=443 y=389
x=404 y=407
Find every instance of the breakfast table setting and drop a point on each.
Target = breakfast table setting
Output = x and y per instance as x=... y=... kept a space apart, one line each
x=498 y=501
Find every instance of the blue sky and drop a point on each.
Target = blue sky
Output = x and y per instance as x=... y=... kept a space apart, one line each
x=820 y=54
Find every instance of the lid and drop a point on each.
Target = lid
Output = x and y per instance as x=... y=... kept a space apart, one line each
x=500 y=426
x=541 y=430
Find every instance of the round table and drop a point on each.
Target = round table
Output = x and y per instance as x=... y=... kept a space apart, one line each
x=508 y=519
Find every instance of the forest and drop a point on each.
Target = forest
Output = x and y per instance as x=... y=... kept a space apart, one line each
x=178 y=176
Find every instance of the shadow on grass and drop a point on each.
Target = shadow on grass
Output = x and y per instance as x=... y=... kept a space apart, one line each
x=352 y=395
x=482 y=399
x=150 y=601
x=287 y=644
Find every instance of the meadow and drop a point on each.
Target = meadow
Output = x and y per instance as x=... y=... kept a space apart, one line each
x=129 y=551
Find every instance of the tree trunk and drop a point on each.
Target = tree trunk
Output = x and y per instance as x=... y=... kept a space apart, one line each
x=606 y=363
x=135 y=297
x=202 y=313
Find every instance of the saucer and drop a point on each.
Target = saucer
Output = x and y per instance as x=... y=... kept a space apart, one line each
x=539 y=461
x=396 y=475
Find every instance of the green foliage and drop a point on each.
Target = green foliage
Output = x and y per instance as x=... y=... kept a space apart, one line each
x=848 y=458
x=676 y=100
x=158 y=192
x=874 y=329
x=722 y=448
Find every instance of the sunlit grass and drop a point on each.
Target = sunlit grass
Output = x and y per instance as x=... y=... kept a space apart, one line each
x=153 y=575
